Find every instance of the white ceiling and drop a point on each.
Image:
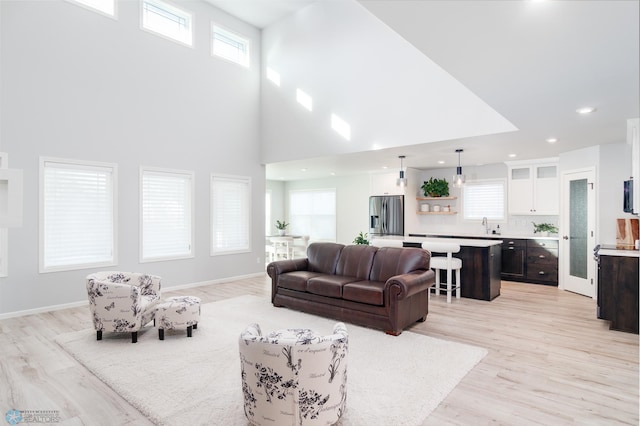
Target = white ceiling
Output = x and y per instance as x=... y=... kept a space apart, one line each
x=533 y=62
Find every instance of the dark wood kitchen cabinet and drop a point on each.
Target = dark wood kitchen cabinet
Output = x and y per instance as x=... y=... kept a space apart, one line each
x=480 y=274
x=514 y=257
x=618 y=292
x=542 y=261
x=530 y=260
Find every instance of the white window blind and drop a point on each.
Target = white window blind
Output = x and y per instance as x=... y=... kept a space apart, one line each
x=77 y=215
x=230 y=214
x=230 y=46
x=484 y=199
x=108 y=7
x=313 y=213
x=166 y=214
x=170 y=21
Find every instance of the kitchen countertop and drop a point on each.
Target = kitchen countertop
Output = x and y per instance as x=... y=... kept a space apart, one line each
x=468 y=242
x=496 y=236
x=610 y=250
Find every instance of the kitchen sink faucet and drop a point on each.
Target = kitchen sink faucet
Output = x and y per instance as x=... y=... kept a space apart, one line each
x=485 y=223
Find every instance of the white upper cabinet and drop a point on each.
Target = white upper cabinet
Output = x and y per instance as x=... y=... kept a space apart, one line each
x=534 y=187
x=385 y=184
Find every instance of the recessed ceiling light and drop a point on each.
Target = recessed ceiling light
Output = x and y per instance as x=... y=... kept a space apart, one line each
x=440 y=162
x=585 y=110
x=552 y=140
x=332 y=173
x=303 y=170
x=512 y=155
x=384 y=167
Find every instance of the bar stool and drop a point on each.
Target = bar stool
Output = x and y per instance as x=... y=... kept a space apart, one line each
x=449 y=263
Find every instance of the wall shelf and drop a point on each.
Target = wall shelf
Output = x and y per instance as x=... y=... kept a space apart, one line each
x=437 y=212
x=435 y=198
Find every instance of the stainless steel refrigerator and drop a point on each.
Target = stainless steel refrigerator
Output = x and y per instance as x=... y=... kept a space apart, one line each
x=386 y=215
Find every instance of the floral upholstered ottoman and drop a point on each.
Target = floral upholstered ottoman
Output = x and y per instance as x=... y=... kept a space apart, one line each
x=177 y=313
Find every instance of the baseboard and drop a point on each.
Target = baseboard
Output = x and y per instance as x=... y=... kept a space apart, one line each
x=86 y=302
x=44 y=309
x=209 y=282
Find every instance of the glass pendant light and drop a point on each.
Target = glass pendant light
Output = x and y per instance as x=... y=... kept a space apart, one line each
x=402 y=181
x=458 y=178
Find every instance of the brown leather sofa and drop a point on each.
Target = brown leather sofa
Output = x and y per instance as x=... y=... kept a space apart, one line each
x=379 y=287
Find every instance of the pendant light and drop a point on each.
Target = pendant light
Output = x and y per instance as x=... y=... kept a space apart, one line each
x=402 y=181
x=458 y=178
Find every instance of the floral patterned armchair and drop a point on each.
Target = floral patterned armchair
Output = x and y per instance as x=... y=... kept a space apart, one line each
x=294 y=376
x=122 y=301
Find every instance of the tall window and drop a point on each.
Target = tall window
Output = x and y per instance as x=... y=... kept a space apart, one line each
x=230 y=214
x=313 y=213
x=230 y=46
x=167 y=20
x=107 y=7
x=166 y=214
x=484 y=199
x=77 y=214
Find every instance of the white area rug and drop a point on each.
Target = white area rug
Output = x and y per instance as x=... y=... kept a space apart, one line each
x=196 y=381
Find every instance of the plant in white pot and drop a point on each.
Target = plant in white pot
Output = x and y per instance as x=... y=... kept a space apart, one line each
x=544 y=229
x=282 y=227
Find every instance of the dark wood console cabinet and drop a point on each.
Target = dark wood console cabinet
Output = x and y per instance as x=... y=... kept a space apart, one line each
x=618 y=292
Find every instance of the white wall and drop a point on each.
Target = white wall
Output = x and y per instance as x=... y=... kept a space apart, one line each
x=615 y=166
x=76 y=84
x=355 y=66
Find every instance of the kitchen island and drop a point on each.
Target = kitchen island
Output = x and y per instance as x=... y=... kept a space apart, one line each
x=481 y=264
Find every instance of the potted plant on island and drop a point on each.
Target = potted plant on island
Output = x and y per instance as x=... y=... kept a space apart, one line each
x=282 y=227
x=544 y=228
x=361 y=239
x=435 y=188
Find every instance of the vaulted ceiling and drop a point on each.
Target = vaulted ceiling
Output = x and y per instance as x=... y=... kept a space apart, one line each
x=535 y=63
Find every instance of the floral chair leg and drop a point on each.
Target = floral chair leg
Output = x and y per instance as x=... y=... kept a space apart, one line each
x=161 y=333
x=134 y=337
x=99 y=335
x=190 y=331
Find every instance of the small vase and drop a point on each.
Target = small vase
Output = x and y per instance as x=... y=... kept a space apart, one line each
x=281 y=231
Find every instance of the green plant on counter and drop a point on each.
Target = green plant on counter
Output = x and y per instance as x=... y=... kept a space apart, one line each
x=544 y=227
x=435 y=188
x=361 y=239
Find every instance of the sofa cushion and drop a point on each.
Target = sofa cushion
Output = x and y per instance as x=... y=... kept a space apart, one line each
x=392 y=261
x=328 y=285
x=369 y=292
x=296 y=280
x=356 y=261
x=323 y=257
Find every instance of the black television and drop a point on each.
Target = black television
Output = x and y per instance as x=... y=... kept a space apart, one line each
x=628 y=196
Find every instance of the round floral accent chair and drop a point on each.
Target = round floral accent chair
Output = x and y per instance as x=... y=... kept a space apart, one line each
x=294 y=376
x=122 y=302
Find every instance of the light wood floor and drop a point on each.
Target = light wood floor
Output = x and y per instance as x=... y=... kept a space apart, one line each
x=550 y=362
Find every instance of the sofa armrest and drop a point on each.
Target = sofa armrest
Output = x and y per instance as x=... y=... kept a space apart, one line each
x=410 y=283
x=283 y=266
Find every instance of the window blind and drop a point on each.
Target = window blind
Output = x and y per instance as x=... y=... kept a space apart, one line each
x=484 y=199
x=167 y=20
x=167 y=205
x=313 y=213
x=78 y=228
x=230 y=214
x=230 y=46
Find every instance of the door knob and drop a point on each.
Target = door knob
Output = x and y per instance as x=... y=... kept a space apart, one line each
x=565 y=237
